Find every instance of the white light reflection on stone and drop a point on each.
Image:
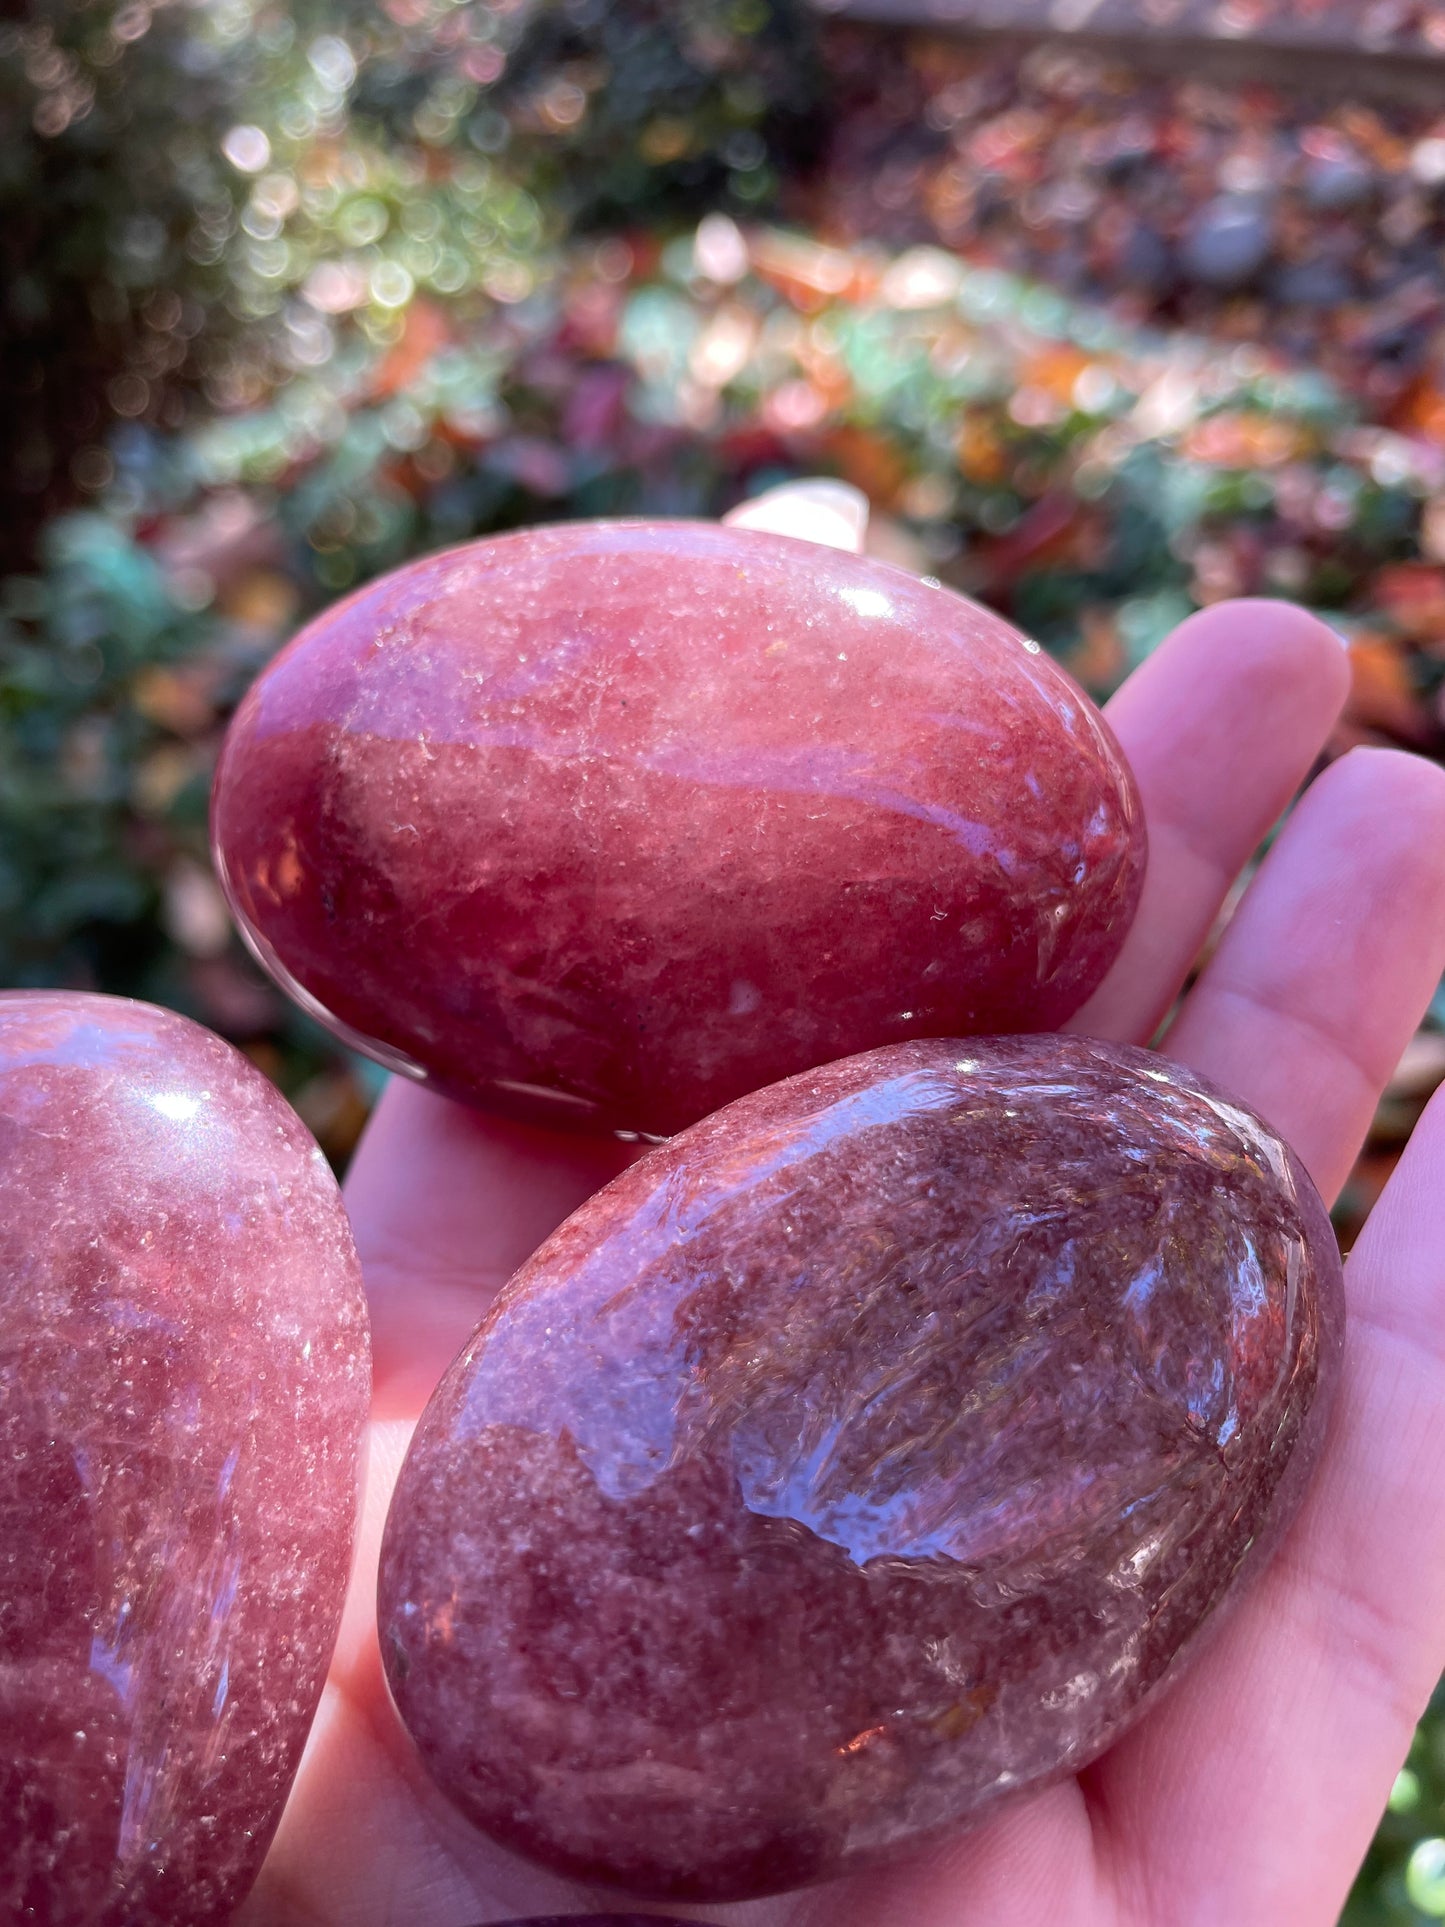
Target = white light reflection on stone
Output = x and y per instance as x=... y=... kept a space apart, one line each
x=866 y=602
x=179 y=1106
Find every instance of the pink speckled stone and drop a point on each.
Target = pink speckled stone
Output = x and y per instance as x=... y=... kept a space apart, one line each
x=864 y=1455
x=184 y=1371
x=611 y=823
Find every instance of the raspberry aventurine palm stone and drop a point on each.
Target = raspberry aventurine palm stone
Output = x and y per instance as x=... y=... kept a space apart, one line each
x=184 y=1373
x=608 y=824
x=865 y=1455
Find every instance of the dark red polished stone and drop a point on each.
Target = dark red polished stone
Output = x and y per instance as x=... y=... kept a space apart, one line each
x=861 y=1456
x=612 y=823
x=595 y=1920
x=183 y=1381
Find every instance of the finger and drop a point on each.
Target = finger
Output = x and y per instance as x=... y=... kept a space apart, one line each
x=1284 y=1741
x=1331 y=960
x=1221 y=725
x=446 y=1203
x=1031 y=1862
x=832 y=513
x=1303 y=1011
x=364 y=1823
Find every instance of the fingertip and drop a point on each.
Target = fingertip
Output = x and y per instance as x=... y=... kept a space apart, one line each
x=1396 y=776
x=1270 y=618
x=1331 y=960
x=1266 y=651
x=1395 y=799
x=819 y=509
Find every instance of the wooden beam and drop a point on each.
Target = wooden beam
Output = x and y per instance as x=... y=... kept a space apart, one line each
x=1333 y=25
x=1328 y=48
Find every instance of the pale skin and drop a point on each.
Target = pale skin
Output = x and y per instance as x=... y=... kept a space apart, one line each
x=1247 y=1795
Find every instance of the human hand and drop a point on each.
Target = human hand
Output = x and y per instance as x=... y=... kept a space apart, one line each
x=1249 y=1792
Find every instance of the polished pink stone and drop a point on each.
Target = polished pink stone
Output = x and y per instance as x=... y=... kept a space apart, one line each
x=865 y=1454
x=612 y=823
x=184 y=1371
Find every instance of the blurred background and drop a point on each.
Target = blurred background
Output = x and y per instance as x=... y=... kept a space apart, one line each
x=1113 y=308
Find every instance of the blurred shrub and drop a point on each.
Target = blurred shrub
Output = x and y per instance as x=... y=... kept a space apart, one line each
x=644 y=112
x=200 y=194
x=1402 y=1883
x=110 y=172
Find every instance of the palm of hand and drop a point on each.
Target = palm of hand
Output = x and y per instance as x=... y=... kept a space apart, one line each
x=1250 y=1791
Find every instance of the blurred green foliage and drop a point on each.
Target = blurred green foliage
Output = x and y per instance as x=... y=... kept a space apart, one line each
x=1402 y=1883
x=291 y=295
x=197 y=194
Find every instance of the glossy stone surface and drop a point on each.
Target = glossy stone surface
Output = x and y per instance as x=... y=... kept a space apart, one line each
x=863 y=1455
x=184 y=1370
x=610 y=823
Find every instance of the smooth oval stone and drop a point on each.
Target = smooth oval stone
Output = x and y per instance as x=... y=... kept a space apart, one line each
x=607 y=824
x=868 y=1453
x=184 y=1372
